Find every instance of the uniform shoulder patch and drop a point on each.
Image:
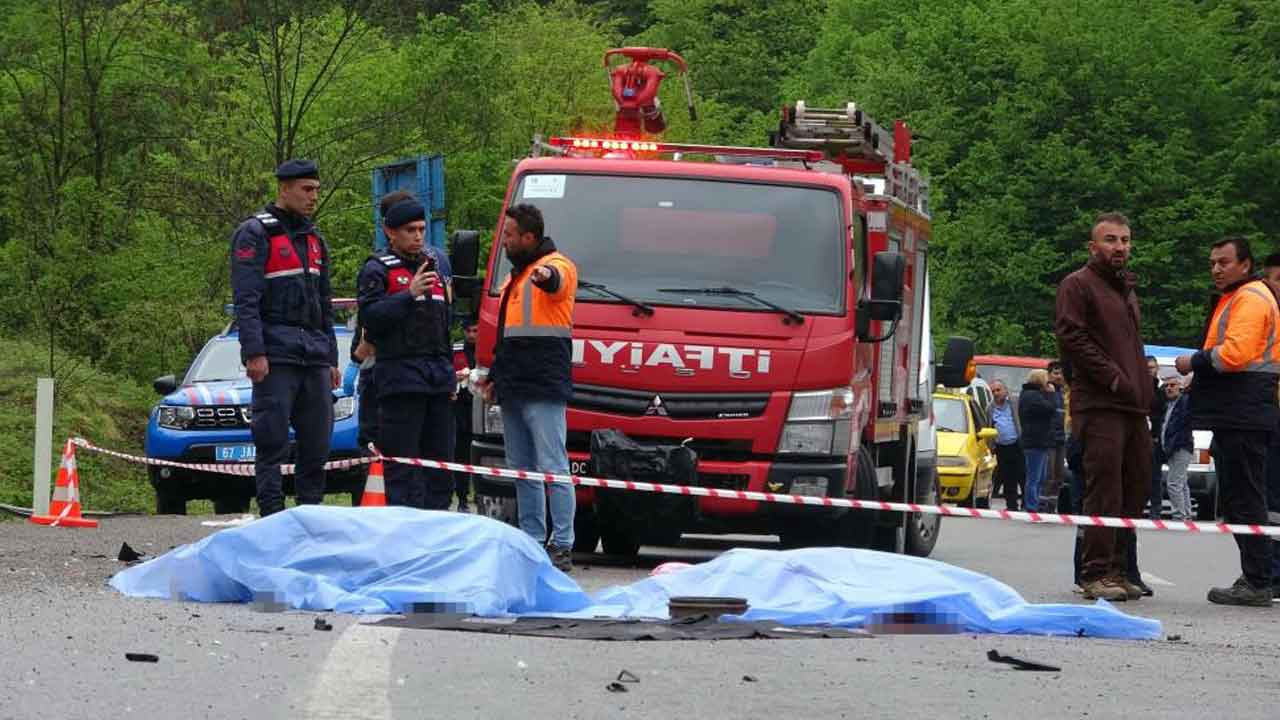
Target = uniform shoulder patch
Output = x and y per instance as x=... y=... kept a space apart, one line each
x=266 y=219
x=389 y=260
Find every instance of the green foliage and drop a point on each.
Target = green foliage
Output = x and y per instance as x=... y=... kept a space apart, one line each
x=135 y=135
x=109 y=409
x=1032 y=119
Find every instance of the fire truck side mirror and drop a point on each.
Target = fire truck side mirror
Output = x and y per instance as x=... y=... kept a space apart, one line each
x=464 y=252
x=888 y=271
x=957 y=368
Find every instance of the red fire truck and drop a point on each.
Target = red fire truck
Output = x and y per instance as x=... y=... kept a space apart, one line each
x=763 y=305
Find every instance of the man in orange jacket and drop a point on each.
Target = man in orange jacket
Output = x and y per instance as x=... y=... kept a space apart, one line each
x=531 y=375
x=1233 y=394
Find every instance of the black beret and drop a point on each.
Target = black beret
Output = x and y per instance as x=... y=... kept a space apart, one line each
x=403 y=213
x=295 y=169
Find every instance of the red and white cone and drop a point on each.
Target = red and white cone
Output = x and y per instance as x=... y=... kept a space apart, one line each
x=375 y=489
x=64 y=506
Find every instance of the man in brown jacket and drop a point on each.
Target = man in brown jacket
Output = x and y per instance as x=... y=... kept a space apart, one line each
x=1099 y=331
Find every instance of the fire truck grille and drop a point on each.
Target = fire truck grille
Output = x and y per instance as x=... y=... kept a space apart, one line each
x=678 y=406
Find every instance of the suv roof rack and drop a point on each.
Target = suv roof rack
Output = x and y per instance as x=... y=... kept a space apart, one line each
x=853 y=140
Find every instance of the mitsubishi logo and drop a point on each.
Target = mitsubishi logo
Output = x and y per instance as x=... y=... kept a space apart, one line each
x=656 y=407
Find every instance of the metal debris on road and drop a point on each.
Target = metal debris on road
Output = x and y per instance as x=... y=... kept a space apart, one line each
x=141 y=657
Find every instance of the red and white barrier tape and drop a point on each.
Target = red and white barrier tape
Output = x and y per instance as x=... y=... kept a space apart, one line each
x=947 y=510
x=241 y=469
x=1189 y=526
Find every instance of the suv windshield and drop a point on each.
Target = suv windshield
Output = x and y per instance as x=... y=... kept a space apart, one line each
x=638 y=234
x=220 y=360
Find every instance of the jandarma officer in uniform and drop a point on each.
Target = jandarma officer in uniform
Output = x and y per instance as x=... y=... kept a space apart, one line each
x=404 y=298
x=280 y=286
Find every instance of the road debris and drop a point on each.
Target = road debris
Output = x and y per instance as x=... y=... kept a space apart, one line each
x=322 y=624
x=616 y=687
x=128 y=554
x=141 y=657
x=1019 y=664
x=627 y=676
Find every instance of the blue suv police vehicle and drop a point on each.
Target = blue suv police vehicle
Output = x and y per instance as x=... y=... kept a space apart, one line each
x=205 y=419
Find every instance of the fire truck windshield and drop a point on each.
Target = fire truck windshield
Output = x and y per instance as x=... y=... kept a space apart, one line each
x=638 y=235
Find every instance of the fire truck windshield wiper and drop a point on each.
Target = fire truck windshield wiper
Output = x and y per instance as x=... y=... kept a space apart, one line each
x=640 y=308
x=789 y=315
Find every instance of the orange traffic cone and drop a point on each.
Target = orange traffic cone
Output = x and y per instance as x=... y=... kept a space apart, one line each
x=64 y=506
x=375 y=490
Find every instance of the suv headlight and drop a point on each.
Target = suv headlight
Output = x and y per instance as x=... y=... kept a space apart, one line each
x=818 y=423
x=344 y=408
x=175 y=417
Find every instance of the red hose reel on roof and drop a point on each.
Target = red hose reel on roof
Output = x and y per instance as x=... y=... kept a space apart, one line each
x=635 y=88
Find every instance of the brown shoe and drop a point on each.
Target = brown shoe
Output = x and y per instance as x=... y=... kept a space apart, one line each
x=1105 y=588
x=1132 y=589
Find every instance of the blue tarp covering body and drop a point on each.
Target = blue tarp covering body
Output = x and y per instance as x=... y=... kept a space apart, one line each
x=386 y=560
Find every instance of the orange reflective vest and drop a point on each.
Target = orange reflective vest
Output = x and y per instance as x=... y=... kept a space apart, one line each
x=533 y=359
x=1242 y=335
x=532 y=312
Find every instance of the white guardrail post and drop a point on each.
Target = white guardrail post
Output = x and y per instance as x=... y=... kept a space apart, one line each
x=44 y=446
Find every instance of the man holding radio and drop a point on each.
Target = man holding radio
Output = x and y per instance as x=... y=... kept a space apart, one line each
x=405 y=298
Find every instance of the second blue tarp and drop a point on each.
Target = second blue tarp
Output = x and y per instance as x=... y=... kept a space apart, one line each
x=393 y=560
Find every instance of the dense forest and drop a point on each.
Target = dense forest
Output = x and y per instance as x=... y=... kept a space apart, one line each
x=134 y=136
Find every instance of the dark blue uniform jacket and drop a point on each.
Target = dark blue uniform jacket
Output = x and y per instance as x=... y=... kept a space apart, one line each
x=280 y=287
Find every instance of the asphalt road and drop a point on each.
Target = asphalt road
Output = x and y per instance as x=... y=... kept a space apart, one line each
x=64 y=635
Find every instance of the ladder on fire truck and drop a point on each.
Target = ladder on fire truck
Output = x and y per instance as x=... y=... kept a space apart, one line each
x=859 y=145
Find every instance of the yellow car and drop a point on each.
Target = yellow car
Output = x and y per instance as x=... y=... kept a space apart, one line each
x=965 y=461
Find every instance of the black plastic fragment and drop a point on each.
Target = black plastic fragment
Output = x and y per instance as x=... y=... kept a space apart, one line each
x=627 y=676
x=128 y=554
x=141 y=657
x=749 y=678
x=322 y=624
x=616 y=687
x=1019 y=664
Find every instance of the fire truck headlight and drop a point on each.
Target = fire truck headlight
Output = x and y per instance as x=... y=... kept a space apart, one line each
x=806 y=438
x=818 y=423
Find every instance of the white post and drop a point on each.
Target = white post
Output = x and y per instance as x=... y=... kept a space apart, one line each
x=44 y=446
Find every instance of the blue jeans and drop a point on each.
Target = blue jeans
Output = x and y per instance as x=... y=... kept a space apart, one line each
x=1037 y=471
x=534 y=434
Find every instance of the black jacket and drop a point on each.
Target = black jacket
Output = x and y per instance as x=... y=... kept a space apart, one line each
x=1059 y=418
x=1176 y=433
x=462 y=405
x=1231 y=400
x=411 y=336
x=1036 y=411
x=280 y=287
x=1158 y=405
x=531 y=368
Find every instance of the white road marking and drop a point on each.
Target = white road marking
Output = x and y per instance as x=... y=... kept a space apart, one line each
x=354 y=679
x=1150 y=579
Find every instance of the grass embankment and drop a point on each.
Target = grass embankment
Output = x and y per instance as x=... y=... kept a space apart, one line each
x=107 y=409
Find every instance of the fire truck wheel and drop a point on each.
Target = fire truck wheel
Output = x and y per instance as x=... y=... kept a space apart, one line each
x=923 y=528
x=620 y=541
x=585 y=534
x=857 y=528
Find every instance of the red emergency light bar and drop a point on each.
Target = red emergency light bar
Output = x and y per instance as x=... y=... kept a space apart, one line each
x=582 y=143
